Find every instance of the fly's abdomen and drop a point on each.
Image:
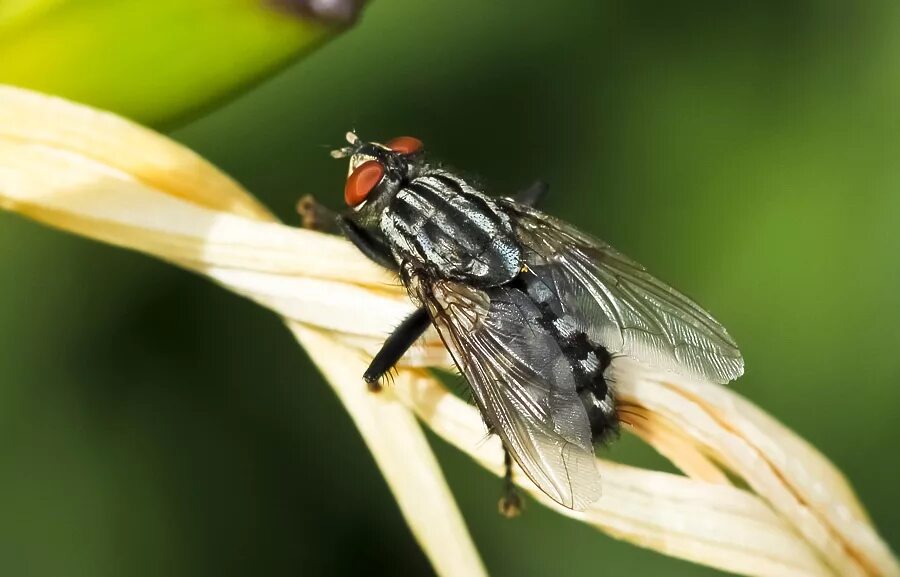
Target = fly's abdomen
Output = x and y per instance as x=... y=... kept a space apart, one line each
x=587 y=360
x=441 y=224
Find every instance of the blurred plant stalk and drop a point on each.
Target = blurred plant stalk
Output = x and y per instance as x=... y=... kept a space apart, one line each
x=100 y=176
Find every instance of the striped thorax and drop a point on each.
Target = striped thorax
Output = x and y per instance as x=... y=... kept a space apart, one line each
x=440 y=222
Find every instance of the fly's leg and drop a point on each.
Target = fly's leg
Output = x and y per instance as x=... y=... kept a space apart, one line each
x=511 y=503
x=533 y=195
x=372 y=248
x=412 y=326
x=395 y=346
x=315 y=216
x=318 y=217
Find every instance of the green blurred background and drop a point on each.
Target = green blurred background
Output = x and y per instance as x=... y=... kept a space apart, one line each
x=151 y=424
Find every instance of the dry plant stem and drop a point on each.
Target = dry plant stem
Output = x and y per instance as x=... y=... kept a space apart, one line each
x=714 y=524
x=392 y=448
x=96 y=175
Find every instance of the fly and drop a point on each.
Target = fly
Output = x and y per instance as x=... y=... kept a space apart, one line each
x=532 y=310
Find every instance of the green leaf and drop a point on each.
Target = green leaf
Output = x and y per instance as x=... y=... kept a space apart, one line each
x=152 y=61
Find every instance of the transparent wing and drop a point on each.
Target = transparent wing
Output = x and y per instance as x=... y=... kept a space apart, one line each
x=521 y=382
x=620 y=305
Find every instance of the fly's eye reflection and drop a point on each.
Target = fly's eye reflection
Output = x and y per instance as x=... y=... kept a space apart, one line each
x=405 y=145
x=362 y=181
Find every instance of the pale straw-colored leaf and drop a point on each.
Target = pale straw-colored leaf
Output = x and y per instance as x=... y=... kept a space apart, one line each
x=118 y=144
x=56 y=168
x=402 y=454
x=797 y=516
x=711 y=523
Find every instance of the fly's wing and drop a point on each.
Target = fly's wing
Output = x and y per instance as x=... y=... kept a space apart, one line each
x=521 y=381
x=620 y=305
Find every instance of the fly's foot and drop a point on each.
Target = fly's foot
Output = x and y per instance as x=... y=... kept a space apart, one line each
x=384 y=363
x=511 y=503
x=314 y=216
x=374 y=385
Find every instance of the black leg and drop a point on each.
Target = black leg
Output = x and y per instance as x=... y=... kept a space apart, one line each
x=395 y=346
x=533 y=195
x=315 y=216
x=511 y=503
x=370 y=247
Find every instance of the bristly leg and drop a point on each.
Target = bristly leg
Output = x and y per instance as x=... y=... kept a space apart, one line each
x=511 y=503
x=396 y=345
x=317 y=217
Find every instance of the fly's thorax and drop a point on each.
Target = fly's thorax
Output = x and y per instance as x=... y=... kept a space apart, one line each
x=443 y=225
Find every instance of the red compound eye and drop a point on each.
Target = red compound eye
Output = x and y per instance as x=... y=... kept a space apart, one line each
x=360 y=183
x=405 y=144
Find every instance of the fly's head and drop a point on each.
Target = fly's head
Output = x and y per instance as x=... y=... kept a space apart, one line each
x=377 y=172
